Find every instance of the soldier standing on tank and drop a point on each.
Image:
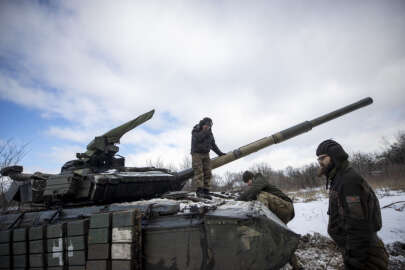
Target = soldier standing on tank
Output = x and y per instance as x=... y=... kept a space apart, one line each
x=280 y=204
x=202 y=141
x=354 y=210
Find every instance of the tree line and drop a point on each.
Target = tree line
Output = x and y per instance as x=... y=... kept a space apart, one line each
x=383 y=169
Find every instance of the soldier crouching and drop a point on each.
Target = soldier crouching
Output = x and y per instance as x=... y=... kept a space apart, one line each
x=280 y=204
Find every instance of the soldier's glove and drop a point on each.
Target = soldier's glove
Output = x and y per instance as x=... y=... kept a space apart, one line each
x=222 y=154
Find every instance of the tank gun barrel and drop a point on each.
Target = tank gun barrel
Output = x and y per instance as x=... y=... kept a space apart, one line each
x=287 y=133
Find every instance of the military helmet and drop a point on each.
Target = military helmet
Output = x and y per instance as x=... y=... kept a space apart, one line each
x=247 y=175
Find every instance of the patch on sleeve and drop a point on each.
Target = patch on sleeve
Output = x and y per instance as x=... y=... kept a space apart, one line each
x=354 y=205
x=352 y=199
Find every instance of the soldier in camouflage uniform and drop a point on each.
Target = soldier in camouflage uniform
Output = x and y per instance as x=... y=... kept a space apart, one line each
x=202 y=141
x=280 y=204
x=354 y=210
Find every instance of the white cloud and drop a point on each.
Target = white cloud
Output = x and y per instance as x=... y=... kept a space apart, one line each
x=254 y=69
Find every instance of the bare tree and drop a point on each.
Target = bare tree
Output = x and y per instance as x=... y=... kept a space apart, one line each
x=11 y=153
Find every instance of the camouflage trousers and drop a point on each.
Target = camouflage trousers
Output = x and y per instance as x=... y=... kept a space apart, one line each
x=284 y=210
x=201 y=164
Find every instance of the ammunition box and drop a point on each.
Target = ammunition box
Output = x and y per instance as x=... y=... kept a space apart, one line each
x=56 y=230
x=122 y=251
x=77 y=228
x=124 y=235
x=19 y=235
x=5 y=249
x=99 y=236
x=37 y=260
x=122 y=265
x=76 y=257
x=76 y=243
x=55 y=259
x=36 y=233
x=5 y=262
x=100 y=220
x=97 y=265
x=98 y=251
x=38 y=246
x=19 y=248
x=20 y=261
x=55 y=245
x=124 y=219
x=5 y=236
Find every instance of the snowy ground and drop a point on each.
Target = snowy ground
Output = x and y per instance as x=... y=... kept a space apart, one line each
x=317 y=251
x=311 y=217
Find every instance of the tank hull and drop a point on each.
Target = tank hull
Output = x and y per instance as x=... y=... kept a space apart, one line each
x=224 y=234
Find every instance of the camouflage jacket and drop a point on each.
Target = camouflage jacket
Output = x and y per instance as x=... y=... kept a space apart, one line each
x=354 y=211
x=202 y=141
x=261 y=184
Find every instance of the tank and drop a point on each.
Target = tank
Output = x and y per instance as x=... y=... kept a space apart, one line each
x=99 y=214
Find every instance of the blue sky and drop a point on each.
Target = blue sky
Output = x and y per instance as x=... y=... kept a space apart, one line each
x=72 y=70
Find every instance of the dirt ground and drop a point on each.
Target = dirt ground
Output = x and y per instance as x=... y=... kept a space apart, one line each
x=319 y=252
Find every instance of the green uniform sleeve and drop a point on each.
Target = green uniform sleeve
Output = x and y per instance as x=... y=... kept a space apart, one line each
x=251 y=193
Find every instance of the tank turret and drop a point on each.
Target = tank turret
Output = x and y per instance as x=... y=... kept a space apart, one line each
x=99 y=176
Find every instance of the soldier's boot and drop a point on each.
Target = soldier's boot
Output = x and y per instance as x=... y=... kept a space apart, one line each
x=203 y=193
